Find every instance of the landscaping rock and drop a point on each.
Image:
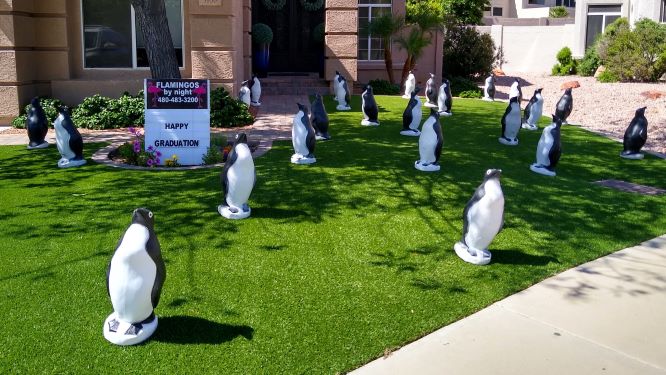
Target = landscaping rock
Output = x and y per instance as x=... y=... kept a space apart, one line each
x=653 y=94
x=570 y=84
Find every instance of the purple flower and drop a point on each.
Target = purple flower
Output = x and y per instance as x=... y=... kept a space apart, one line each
x=137 y=147
x=131 y=129
x=150 y=148
x=158 y=154
x=157 y=160
x=149 y=162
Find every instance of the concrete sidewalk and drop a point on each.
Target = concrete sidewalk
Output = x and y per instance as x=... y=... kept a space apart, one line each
x=607 y=316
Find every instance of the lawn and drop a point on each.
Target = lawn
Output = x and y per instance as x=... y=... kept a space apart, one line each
x=340 y=260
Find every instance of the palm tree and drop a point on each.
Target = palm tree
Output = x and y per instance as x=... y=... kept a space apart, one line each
x=414 y=43
x=385 y=27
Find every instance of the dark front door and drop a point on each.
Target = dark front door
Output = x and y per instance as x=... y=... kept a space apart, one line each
x=297 y=45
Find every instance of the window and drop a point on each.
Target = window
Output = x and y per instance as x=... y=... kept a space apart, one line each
x=598 y=17
x=566 y=3
x=369 y=47
x=497 y=12
x=537 y=2
x=662 y=12
x=112 y=37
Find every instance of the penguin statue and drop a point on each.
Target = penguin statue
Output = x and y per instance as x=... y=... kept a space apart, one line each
x=516 y=91
x=369 y=108
x=303 y=137
x=511 y=121
x=410 y=84
x=255 y=91
x=549 y=149
x=36 y=125
x=336 y=82
x=635 y=136
x=319 y=119
x=411 y=117
x=489 y=88
x=68 y=140
x=244 y=93
x=533 y=111
x=238 y=178
x=564 y=106
x=431 y=92
x=430 y=144
x=134 y=282
x=483 y=218
x=444 y=98
x=342 y=94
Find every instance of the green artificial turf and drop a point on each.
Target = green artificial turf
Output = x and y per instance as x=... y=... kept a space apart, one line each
x=340 y=260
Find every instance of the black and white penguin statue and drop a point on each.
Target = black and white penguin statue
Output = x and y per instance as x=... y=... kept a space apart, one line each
x=342 y=94
x=410 y=84
x=511 y=121
x=411 y=117
x=431 y=92
x=533 y=111
x=564 y=106
x=244 y=95
x=238 y=178
x=444 y=98
x=489 y=88
x=255 y=91
x=134 y=282
x=635 y=136
x=369 y=108
x=336 y=82
x=68 y=140
x=303 y=137
x=483 y=218
x=430 y=144
x=36 y=125
x=515 y=91
x=549 y=149
x=319 y=119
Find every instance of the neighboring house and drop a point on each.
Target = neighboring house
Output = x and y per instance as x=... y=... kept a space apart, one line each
x=70 y=49
x=525 y=8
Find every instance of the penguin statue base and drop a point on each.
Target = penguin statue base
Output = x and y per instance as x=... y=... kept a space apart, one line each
x=431 y=105
x=635 y=156
x=41 y=145
x=527 y=126
x=369 y=123
x=411 y=133
x=445 y=113
x=488 y=99
x=425 y=167
x=69 y=163
x=120 y=335
x=322 y=137
x=234 y=213
x=343 y=107
x=301 y=159
x=477 y=257
x=507 y=141
x=540 y=169
x=255 y=104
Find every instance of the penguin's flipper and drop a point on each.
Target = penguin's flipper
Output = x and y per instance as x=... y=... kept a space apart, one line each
x=231 y=159
x=310 y=143
x=76 y=145
x=153 y=249
x=438 y=148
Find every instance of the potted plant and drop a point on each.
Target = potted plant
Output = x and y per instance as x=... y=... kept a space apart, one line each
x=262 y=36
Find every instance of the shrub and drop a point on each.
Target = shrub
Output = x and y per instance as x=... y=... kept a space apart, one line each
x=226 y=111
x=590 y=62
x=217 y=152
x=558 y=12
x=566 y=64
x=384 y=87
x=608 y=77
x=467 y=53
x=262 y=33
x=99 y=112
x=474 y=94
x=133 y=152
x=460 y=85
x=50 y=106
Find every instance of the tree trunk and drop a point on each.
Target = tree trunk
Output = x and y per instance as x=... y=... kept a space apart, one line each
x=405 y=70
x=152 y=18
x=388 y=60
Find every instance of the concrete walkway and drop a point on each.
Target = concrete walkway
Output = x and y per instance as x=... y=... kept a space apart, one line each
x=607 y=316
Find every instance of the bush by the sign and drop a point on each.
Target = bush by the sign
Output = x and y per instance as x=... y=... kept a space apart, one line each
x=227 y=111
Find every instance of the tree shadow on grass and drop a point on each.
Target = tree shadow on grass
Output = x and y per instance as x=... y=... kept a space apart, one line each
x=194 y=330
x=518 y=257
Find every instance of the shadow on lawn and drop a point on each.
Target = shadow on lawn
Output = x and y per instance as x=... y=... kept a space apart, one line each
x=194 y=330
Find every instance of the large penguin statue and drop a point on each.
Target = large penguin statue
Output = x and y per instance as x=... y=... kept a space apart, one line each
x=444 y=98
x=564 y=106
x=635 y=136
x=369 y=108
x=411 y=117
x=303 y=137
x=430 y=144
x=549 y=149
x=68 y=140
x=319 y=119
x=342 y=94
x=255 y=91
x=533 y=111
x=336 y=82
x=489 y=88
x=134 y=282
x=483 y=218
x=244 y=95
x=511 y=121
x=410 y=84
x=515 y=91
x=238 y=178
x=431 y=92
x=36 y=125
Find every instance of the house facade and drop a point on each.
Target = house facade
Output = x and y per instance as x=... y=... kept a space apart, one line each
x=70 y=49
x=524 y=8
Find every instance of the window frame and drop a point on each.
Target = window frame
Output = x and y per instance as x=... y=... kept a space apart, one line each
x=603 y=14
x=662 y=12
x=133 y=25
x=369 y=45
x=501 y=11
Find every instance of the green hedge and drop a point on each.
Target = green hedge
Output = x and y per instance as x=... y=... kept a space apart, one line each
x=384 y=87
